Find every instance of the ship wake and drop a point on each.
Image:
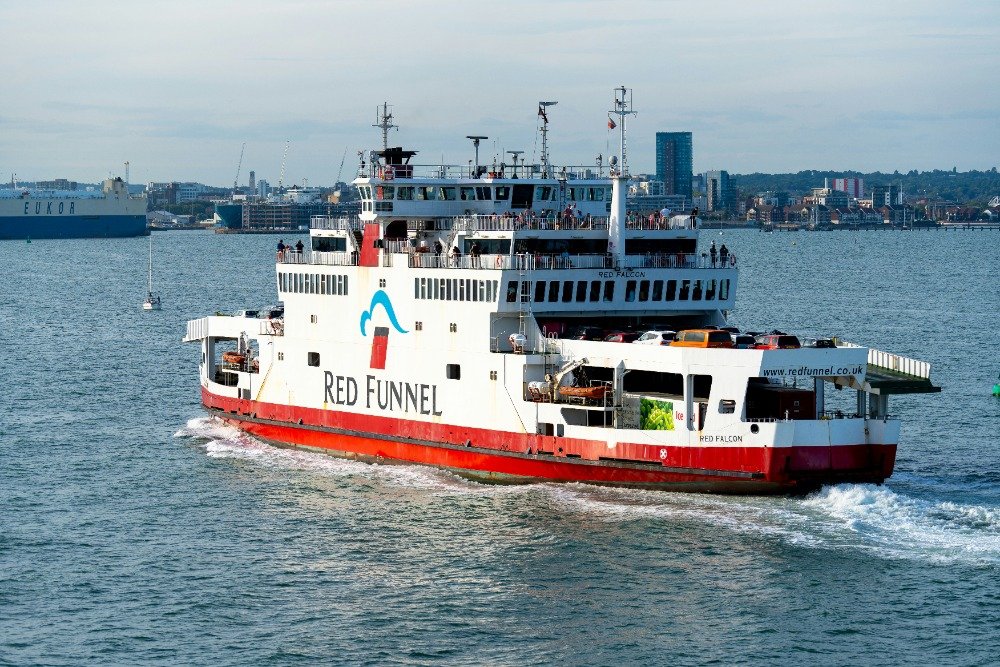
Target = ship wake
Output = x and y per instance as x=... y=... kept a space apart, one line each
x=862 y=517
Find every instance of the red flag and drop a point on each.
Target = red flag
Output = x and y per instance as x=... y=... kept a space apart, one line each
x=541 y=112
x=611 y=124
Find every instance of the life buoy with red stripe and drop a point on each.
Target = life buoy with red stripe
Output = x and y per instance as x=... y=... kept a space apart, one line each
x=388 y=173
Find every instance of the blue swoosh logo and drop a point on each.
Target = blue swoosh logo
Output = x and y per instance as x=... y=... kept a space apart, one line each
x=380 y=298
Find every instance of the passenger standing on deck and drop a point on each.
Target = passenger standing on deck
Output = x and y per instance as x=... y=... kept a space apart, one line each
x=723 y=254
x=298 y=250
x=713 y=253
x=474 y=254
x=281 y=249
x=456 y=256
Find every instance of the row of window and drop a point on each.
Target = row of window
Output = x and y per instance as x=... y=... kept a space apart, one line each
x=541 y=193
x=312 y=283
x=567 y=291
x=455 y=289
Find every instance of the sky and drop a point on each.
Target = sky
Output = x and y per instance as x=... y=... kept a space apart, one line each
x=177 y=87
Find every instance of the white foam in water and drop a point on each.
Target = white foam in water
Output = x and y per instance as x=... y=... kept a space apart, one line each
x=865 y=517
x=227 y=442
x=896 y=525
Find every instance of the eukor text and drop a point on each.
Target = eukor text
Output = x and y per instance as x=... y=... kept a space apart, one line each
x=50 y=208
x=391 y=395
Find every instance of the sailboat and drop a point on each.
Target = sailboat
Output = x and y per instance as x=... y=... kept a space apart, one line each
x=152 y=301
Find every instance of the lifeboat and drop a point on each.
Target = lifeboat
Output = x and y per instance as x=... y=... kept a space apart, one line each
x=233 y=358
x=596 y=392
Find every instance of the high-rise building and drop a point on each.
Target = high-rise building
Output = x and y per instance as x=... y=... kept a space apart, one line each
x=886 y=195
x=674 y=162
x=852 y=186
x=253 y=181
x=719 y=192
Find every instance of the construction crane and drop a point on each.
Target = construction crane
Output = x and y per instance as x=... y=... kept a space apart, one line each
x=239 y=167
x=340 y=172
x=281 y=178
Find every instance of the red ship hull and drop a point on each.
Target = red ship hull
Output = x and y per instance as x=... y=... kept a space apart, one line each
x=498 y=456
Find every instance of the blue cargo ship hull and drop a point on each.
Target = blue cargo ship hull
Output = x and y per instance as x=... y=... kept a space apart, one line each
x=72 y=226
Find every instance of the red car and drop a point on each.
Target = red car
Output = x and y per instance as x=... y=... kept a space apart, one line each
x=777 y=342
x=622 y=337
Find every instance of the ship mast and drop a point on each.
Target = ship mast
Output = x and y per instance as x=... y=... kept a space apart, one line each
x=543 y=112
x=383 y=120
x=619 y=177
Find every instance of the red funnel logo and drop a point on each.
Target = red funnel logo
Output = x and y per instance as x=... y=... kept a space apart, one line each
x=380 y=346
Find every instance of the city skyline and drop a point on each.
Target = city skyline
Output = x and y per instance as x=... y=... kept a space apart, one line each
x=176 y=89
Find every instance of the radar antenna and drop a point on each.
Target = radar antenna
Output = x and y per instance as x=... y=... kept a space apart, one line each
x=543 y=113
x=383 y=120
x=475 y=142
x=515 y=155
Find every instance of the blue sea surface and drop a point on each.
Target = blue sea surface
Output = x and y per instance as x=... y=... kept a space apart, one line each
x=136 y=530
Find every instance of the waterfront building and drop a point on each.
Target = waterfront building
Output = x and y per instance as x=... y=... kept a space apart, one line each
x=855 y=187
x=674 y=162
x=719 y=192
x=886 y=195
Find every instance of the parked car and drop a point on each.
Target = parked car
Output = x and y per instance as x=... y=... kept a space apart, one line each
x=656 y=337
x=587 y=333
x=818 y=342
x=744 y=342
x=621 y=337
x=777 y=342
x=702 y=338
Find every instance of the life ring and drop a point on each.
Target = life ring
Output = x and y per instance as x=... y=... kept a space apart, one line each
x=499 y=262
x=388 y=173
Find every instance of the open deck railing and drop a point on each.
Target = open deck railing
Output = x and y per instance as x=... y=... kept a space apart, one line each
x=545 y=262
x=501 y=223
x=897 y=363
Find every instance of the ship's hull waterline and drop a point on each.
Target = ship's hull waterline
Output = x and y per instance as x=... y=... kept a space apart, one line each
x=525 y=458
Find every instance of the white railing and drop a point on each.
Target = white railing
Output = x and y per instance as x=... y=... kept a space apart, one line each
x=317 y=257
x=540 y=262
x=342 y=224
x=513 y=223
x=894 y=362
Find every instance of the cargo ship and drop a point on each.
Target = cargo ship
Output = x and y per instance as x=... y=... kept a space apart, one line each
x=72 y=214
x=447 y=325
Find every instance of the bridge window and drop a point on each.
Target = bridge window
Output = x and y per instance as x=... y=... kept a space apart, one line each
x=581 y=290
x=405 y=193
x=553 y=290
x=483 y=193
x=511 y=291
x=685 y=290
x=453 y=371
x=503 y=192
x=644 y=290
x=671 y=290
x=595 y=290
x=657 y=290
x=630 y=290
x=448 y=194
x=467 y=194
x=567 y=290
x=609 y=290
x=312 y=358
x=724 y=289
x=710 y=291
x=539 y=290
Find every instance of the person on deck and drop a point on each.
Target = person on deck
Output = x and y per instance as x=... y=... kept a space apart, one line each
x=281 y=249
x=713 y=253
x=723 y=255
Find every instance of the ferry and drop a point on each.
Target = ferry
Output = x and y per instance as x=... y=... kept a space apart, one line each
x=72 y=214
x=441 y=327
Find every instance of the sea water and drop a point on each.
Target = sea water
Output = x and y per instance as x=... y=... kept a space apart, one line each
x=136 y=530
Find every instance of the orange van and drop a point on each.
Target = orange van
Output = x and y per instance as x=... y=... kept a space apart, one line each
x=702 y=338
